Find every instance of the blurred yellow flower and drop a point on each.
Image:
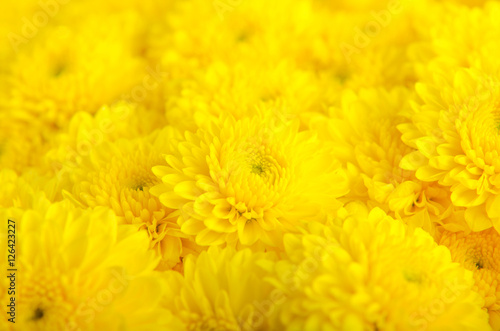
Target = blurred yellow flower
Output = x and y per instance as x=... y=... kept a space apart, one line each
x=23 y=191
x=65 y=70
x=23 y=140
x=221 y=290
x=94 y=281
x=86 y=132
x=373 y=273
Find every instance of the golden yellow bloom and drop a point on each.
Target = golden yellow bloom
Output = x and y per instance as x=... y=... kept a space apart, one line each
x=221 y=290
x=239 y=89
x=86 y=132
x=119 y=175
x=23 y=140
x=17 y=194
x=23 y=191
x=101 y=280
x=249 y=180
x=373 y=273
x=479 y=252
x=455 y=133
x=67 y=69
x=368 y=142
x=459 y=37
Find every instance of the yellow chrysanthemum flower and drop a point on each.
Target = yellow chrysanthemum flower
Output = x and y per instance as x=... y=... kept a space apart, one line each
x=23 y=191
x=241 y=88
x=234 y=32
x=85 y=132
x=79 y=270
x=479 y=252
x=373 y=273
x=119 y=175
x=373 y=38
x=17 y=194
x=455 y=133
x=221 y=290
x=249 y=180
x=66 y=69
x=23 y=140
x=459 y=37
x=365 y=134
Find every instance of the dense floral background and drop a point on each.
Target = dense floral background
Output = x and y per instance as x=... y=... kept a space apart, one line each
x=246 y=165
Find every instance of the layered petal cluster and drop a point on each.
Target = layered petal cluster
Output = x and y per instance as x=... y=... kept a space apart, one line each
x=462 y=37
x=101 y=281
x=364 y=131
x=23 y=140
x=54 y=77
x=23 y=191
x=455 y=134
x=247 y=181
x=85 y=132
x=222 y=289
x=371 y=272
x=119 y=176
x=289 y=91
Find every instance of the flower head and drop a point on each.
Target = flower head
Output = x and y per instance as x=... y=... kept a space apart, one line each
x=90 y=282
x=24 y=191
x=247 y=181
x=23 y=140
x=458 y=37
x=372 y=272
x=368 y=142
x=85 y=132
x=221 y=289
x=456 y=136
x=66 y=70
x=118 y=175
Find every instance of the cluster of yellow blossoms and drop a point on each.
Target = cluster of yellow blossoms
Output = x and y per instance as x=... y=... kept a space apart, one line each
x=246 y=165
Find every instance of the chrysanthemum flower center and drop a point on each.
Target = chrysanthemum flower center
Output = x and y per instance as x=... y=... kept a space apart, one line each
x=45 y=303
x=480 y=253
x=259 y=169
x=59 y=69
x=38 y=314
x=413 y=276
x=475 y=259
x=262 y=166
x=141 y=180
